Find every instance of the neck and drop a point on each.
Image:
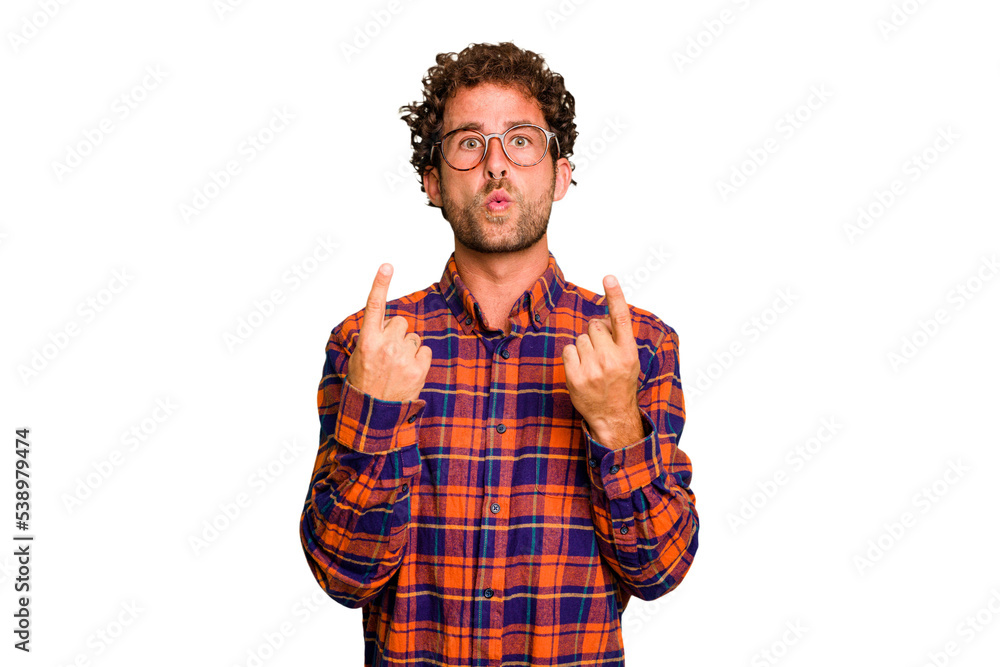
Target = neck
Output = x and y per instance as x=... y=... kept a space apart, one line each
x=498 y=279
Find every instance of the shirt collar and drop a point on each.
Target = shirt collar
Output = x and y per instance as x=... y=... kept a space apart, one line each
x=530 y=310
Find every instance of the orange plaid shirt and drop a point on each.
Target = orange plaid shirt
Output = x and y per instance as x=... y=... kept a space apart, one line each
x=482 y=525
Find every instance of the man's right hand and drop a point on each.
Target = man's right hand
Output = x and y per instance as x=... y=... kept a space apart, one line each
x=387 y=362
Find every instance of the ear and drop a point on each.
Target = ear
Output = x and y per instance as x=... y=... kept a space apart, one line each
x=432 y=185
x=564 y=174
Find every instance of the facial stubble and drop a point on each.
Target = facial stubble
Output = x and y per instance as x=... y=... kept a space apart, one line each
x=472 y=223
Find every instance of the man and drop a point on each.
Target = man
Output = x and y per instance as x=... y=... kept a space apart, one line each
x=498 y=469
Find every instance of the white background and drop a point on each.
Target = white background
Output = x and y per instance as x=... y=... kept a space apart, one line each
x=842 y=546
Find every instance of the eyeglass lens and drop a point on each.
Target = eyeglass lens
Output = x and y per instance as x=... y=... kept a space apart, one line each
x=524 y=146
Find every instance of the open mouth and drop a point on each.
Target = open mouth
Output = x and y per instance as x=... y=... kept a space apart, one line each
x=498 y=201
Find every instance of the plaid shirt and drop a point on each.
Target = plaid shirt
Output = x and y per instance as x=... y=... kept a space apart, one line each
x=482 y=525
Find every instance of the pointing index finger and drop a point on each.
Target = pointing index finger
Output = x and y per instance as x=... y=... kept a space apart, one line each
x=375 y=307
x=618 y=311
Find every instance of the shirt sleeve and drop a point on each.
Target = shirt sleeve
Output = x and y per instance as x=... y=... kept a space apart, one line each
x=642 y=503
x=355 y=522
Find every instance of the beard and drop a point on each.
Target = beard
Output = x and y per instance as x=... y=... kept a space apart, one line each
x=522 y=226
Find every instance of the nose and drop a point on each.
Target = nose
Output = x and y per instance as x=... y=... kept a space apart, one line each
x=496 y=160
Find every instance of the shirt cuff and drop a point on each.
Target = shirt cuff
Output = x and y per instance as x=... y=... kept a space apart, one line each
x=618 y=472
x=372 y=426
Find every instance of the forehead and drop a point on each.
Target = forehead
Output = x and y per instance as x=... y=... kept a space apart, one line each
x=493 y=107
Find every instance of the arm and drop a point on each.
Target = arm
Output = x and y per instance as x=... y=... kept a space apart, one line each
x=648 y=494
x=355 y=522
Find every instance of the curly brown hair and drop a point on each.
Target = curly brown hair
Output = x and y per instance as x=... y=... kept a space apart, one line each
x=503 y=63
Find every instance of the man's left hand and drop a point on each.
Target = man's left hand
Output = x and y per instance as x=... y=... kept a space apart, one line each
x=602 y=369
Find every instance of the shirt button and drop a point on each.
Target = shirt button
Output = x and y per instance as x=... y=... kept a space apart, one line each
x=495 y=507
x=593 y=463
x=501 y=428
x=538 y=318
x=404 y=488
x=412 y=419
x=488 y=593
x=505 y=354
x=468 y=320
x=624 y=529
x=615 y=468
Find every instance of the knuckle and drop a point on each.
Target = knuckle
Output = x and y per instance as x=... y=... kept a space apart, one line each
x=414 y=374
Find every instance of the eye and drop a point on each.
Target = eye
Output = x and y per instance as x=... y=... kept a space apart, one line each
x=470 y=143
x=520 y=141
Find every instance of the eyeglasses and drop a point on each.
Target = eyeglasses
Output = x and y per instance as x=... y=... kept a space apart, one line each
x=524 y=145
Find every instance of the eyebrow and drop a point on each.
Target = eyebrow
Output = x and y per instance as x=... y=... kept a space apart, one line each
x=475 y=125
